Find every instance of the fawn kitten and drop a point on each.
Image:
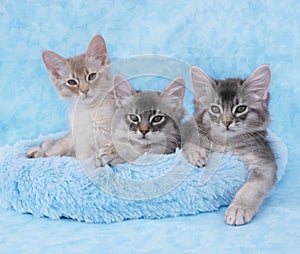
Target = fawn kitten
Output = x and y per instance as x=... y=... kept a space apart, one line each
x=232 y=116
x=145 y=121
x=86 y=81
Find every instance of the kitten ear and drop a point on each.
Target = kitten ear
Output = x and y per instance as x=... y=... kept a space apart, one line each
x=123 y=89
x=176 y=89
x=97 y=50
x=202 y=84
x=54 y=63
x=259 y=81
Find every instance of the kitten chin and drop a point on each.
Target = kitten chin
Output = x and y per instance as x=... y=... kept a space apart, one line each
x=157 y=138
x=88 y=98
x=222 y=131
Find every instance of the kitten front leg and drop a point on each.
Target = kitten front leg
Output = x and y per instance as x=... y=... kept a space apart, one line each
x=249 y=198
x=60 y=147
x=195 y=154
x=39 y=151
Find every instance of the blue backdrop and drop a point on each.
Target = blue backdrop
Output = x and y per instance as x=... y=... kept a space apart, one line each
x=225 y=38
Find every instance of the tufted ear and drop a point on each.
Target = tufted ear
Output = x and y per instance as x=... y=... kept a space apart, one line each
x=97 y=50
x=54 y=63
x=123 y=89
x=203 y=85
x=176 y=89
x=259 y=81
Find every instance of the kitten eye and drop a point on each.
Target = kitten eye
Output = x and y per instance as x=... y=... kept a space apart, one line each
x=134 y=118
x=72 y=82
x=215 y=109
x=156 y=119
x=240 y=109
x=92 y=76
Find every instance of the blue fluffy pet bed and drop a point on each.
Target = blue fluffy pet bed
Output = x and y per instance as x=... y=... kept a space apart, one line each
x=155 y=186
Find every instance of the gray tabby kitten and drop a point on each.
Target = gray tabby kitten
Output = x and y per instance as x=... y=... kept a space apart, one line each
x=232 y=116
x=86 y=81
x=145 y=121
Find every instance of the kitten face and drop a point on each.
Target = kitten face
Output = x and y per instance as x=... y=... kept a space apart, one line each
x=149 y=122
x=80 y=77
x=146 y=126
x=150 y=118
x=232 y=107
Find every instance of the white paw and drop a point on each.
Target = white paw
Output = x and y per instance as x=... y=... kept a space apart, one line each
x=106 y=155
x=97 y=161
x=238 y=214
x=35 y=152
x=196 y=155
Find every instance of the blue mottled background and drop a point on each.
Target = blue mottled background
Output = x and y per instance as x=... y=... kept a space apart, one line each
x=225 y=38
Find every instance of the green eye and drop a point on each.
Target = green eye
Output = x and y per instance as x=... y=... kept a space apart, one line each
x=92 y=76
x=157 y=119
x=134 y=118
x=240 y=109
x=215 y=109
x=72 y=82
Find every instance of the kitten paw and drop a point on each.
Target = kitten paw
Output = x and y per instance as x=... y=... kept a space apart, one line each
x=97 y=161
x=106 y=155
x=35 y=152
x=196 y=155
x=238 y=215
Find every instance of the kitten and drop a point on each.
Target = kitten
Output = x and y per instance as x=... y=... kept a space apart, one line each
x=232 y=116
x=145 y=121
x=86 y=81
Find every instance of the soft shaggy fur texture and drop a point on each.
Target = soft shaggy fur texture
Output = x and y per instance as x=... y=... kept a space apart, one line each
x=57 y=187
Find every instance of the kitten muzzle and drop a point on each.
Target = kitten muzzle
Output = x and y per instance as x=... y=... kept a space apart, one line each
x=227 y=121
x=144 y=129
x=84 y=91
x=227 y=124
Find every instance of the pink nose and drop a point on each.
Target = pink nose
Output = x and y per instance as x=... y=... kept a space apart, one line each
x=144 y=128
x=144 y=132
x=227 y=123
x=85 y=91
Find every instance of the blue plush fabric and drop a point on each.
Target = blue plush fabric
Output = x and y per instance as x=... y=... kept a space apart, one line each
x=154 y=186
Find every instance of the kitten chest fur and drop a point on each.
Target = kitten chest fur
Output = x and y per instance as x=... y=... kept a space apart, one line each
x=91 y=124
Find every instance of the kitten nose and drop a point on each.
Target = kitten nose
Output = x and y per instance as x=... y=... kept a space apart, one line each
x=84 y=89
x=144 y=128
x=227 y=122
